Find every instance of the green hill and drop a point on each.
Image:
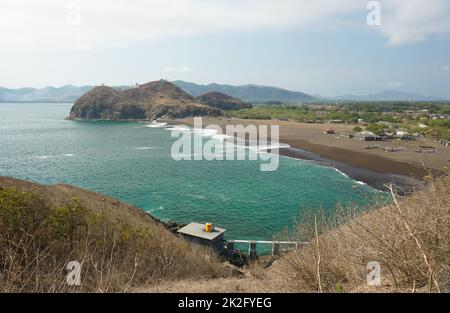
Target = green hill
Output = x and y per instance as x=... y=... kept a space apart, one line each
x=249 y=93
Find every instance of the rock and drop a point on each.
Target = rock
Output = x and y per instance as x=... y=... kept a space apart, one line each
x=158 y=99
x=223 y=101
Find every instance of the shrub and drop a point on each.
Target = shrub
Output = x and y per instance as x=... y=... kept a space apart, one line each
x=117 y=251
x=409 y=238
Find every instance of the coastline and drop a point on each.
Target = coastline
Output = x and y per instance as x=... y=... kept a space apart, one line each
x=371 y=169
x=365 y=167
x=403 y=184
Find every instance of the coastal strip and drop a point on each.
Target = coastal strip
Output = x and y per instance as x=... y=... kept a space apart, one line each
x=371 y=169
x=403 y=184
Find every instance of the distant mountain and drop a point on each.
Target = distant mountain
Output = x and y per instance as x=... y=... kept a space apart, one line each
x=69 y=93
x=387 y=95
x=249 y=93
x=66 y=93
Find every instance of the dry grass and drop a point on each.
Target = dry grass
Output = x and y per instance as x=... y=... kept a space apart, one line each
x=255 y=278
x=42 y=228
x=122 y=249
x=409 y=238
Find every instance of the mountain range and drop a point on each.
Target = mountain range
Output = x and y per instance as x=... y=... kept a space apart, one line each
x=68 y=93
x=249 y=93
x=386 y=95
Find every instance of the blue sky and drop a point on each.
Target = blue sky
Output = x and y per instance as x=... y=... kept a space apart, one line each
x=320 y=47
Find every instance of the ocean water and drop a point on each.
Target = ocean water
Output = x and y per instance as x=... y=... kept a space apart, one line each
x=132 y=162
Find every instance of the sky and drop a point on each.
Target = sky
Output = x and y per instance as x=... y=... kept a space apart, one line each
x=321 y=47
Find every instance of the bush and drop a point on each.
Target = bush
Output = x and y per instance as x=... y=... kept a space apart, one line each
x=38 y=237
x=375 y=128
x=410 y=240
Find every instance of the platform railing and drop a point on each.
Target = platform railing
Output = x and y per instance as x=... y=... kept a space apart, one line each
x=253 y=243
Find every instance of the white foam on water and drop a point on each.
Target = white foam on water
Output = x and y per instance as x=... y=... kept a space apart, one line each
x=188 y=155
x=197 y=196
x=157 y=209
x=155 y=124
x=342 y=173
x=345 y=175
x=44 y=157
x=205 y=132
x=196 y=131
x=264 y=147
x=69 y=155
x=145 y=148
x=178 y=128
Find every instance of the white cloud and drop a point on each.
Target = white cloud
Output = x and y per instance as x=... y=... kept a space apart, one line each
x=174 y=69
x=445 y=68
x=411 y=21
x=32 y=23
x=55 y=24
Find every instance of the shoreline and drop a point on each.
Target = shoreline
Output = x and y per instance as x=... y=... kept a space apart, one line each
x=373 y=170
x=403 y=184
x=361 y=159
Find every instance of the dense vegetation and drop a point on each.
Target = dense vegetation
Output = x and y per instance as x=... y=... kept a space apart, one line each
x=375 y=116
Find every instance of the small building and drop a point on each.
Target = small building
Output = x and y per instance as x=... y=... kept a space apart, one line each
x=388 y=136
x=401 y=133
x=373 y=138
x=197 y=233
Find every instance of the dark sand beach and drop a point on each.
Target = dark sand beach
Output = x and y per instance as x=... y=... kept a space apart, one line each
x=376 y=168
x=403 y=184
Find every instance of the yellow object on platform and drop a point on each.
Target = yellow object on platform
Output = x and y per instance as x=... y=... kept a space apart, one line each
x=208 y=227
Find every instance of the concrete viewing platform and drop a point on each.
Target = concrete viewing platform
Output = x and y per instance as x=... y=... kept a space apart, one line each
x=196 y=233
x=198 y=230
x=214 y=238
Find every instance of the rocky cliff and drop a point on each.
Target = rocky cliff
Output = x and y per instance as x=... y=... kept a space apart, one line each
x=223 y=101
x=158 y=99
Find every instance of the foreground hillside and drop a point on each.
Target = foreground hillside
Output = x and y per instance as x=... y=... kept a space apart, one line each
x=42 y=228
x=410 y=240
x=123 y=249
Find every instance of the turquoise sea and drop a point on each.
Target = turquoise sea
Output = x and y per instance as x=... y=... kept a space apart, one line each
x=132 y=162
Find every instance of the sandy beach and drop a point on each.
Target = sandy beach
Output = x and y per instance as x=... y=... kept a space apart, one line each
x=375 y=167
